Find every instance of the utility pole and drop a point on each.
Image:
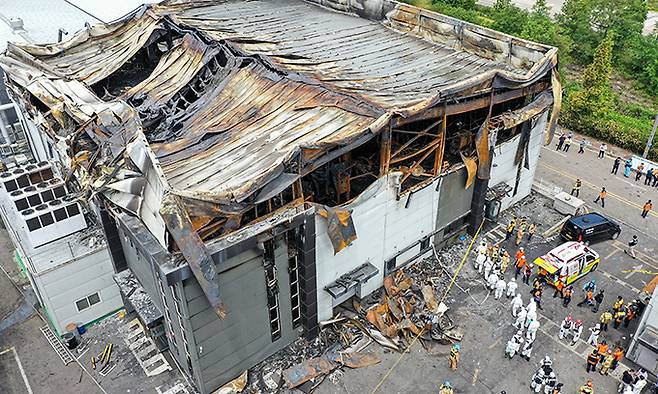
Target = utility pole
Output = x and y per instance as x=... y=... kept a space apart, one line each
x=650 y=141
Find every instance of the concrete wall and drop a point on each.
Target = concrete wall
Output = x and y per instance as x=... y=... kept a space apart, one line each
x=222 y=349
x=61 y=287
x=385 y=227
x=504 y=170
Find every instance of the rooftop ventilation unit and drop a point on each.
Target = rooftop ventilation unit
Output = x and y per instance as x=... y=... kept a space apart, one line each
x=41 y=193
x=24 y=176
x=54 y=220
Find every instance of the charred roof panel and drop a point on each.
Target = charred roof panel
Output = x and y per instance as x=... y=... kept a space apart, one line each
x=406 y=58
x=243 y=131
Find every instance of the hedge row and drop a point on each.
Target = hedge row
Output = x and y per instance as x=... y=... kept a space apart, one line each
x=615 y=128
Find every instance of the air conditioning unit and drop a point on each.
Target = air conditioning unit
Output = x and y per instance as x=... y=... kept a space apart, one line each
x=24 y=176
x=53 y=220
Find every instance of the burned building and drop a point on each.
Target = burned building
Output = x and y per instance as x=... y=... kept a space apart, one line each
x=260 y=162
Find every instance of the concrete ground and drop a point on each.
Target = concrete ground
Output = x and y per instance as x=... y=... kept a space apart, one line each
x=487 y=322
x=28 y=364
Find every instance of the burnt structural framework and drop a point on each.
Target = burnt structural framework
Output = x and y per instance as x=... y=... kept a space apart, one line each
x=257 y=163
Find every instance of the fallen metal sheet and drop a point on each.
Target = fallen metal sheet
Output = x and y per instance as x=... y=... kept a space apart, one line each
x=274 y=119
x=318 y=366
x=510 y=119
x=471 y=169
x=235 y=386
x=340 y=226
x=191 y=245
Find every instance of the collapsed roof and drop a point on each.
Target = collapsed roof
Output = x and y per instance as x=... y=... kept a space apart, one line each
x=242 y=98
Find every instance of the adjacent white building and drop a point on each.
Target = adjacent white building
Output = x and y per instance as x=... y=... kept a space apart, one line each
x=62 y=252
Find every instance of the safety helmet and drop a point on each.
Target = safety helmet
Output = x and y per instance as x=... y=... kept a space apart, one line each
x=456 y=346
x=447 y=384
x=521 y=248
x=532 y=265
x=513 y=280
x=547 y=361
x=579 y=323
x=569 y=318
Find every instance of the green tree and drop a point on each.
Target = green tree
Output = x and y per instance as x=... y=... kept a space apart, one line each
x=540 y=27
x=587 y=22
x=508 y=18
x=594 y=99
x=641 y=63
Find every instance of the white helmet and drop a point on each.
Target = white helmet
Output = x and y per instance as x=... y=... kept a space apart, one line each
x=513 y=280
x=547 y=361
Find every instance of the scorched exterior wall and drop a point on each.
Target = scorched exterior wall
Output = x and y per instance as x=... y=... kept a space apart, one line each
x=504 y=170
x=386 y=227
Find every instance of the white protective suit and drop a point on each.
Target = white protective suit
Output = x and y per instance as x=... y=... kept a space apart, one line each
x=488 y=266
x=517 y=303
x=513 y=345
x=520 y=318
x=531 y=333
x=479 y=262
x=576 y=332
x=565 y=328
x=492 y=279
x=511 y=288
x=594 y=335
x=532 y=315
x=500 y=288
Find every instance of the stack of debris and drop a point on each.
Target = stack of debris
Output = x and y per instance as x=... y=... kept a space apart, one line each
x=409 y=310
x=406 y=310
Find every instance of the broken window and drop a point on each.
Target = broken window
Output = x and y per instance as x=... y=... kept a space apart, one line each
x=272 y=289
x=293 y=272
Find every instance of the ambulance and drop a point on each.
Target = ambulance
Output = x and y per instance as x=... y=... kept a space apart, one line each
x=568 y=262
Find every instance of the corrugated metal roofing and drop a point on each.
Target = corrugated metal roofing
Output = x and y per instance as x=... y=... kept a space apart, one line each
x=388 y=67
x=318 y=79
x=256 y=114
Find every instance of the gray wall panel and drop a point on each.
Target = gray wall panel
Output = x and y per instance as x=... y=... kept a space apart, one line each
x=454 y=200
x=226 y=347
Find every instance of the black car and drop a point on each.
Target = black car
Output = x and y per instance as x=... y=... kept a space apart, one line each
x=590 y=228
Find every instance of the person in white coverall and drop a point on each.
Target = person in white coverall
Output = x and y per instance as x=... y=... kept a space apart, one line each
x=527 y=350
x=576 y=331
x=479 y=262
x=514 y=344
x=594 y=334
x=520 y=318
x=492 y=279
x=500 y=288
x=565 y=327
x=482 y=248
x=517 y=303
x=488 y=266
x=532 y=315
x=531 y=334
x=511 y=288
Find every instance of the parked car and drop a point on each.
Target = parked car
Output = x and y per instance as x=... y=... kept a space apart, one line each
x=590 y=228
x=568 y=262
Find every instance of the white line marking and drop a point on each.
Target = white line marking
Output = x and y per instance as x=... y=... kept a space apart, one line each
x=20 y=367
x=635 y=268
x=554 y=151
x=634 y=185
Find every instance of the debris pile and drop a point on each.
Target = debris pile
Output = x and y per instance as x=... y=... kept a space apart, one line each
x=410 y=309
x=405 y=311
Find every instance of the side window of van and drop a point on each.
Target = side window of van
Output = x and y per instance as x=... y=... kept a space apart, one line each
x=573 y=267
x=589 y=259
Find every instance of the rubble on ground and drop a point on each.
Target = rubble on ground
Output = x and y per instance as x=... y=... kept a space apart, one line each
x=408 y=309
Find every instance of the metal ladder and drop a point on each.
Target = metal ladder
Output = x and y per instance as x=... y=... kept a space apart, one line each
x=57 y=345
